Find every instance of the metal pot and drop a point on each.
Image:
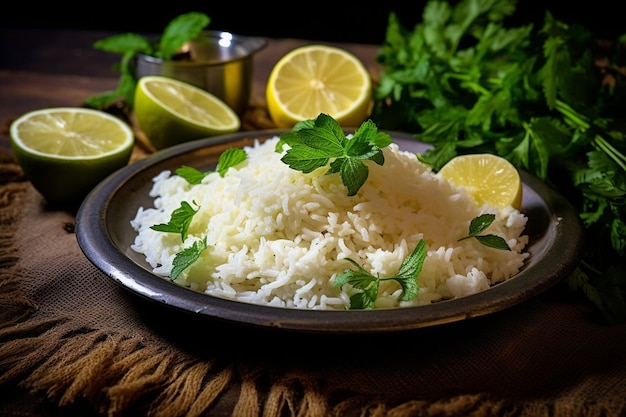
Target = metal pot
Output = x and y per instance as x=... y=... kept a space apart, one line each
x=218 y=62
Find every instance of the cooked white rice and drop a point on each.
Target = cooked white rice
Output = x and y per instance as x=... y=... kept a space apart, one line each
x=277 y=236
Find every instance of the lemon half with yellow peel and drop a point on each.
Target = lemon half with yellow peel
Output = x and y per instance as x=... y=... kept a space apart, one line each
x=65 y=151
x=170 y=112
x=315 y=79
x=489 y=178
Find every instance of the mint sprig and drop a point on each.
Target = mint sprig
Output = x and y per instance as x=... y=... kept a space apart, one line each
x=180 y=219
x=368 y=284
x=187 y=257
x=323 y=142
x=479 y=225
x=229 y=158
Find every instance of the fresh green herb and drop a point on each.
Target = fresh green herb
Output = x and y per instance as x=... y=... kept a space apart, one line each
x=180 y=219
x=192 y=175
x=187 y=257
x=315 y=144
x=228 y=159
x=549 y=99
x=178 y=31
x=368 y=284
x=479 y=225
x=181 y=29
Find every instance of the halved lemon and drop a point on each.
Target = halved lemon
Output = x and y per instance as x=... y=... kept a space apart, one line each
x=170 y=112
x=489 y=178
x=316 y=79
x=66 y=151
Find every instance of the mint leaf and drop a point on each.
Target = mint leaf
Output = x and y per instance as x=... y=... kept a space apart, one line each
x=493 y=241
x=410 y=269
x=101 y=100
x=315 y=144
x=305 y=159
x=180 y=219
x=180 y=30
x=123 y=43
x=291 y=137
x=479 y=225
x=370 y=134
x=187 y=257
x=353 y=173
x=230 y=158
x=192 y=175
x=362 y=280
x=365 y=300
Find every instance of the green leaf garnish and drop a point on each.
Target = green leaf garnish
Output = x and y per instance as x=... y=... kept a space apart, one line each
x=368 y=284
x=479 y=225
x=228 y=159
x=187 y=257
x=125 y=42
x=181 y=29
x=180 y=220
x=315 y=144
x=192 y=175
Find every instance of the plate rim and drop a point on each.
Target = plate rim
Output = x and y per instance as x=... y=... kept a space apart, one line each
x=96 y=243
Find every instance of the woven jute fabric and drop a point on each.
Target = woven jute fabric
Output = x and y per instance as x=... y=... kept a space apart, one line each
x=74 y=343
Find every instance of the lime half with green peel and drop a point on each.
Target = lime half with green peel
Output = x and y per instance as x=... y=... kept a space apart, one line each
x=65 y=152
x=170 y=112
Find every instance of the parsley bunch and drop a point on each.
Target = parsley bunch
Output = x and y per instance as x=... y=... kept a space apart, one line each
x=549 y=99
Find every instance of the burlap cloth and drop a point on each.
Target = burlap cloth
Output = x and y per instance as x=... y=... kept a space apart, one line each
x=72 y=342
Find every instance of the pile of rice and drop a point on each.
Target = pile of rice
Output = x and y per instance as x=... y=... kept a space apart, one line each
x=277 y=236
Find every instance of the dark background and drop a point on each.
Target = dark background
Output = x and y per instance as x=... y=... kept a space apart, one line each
x=318 y=20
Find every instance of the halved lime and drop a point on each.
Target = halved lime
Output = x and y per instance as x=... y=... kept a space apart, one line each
x=489 y=178
x=67 y=151
x=170 y=112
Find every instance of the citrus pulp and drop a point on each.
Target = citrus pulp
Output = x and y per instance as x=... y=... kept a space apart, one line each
x=316 y=79
x=170 y=112
x=66 y=151
x=489 y=178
